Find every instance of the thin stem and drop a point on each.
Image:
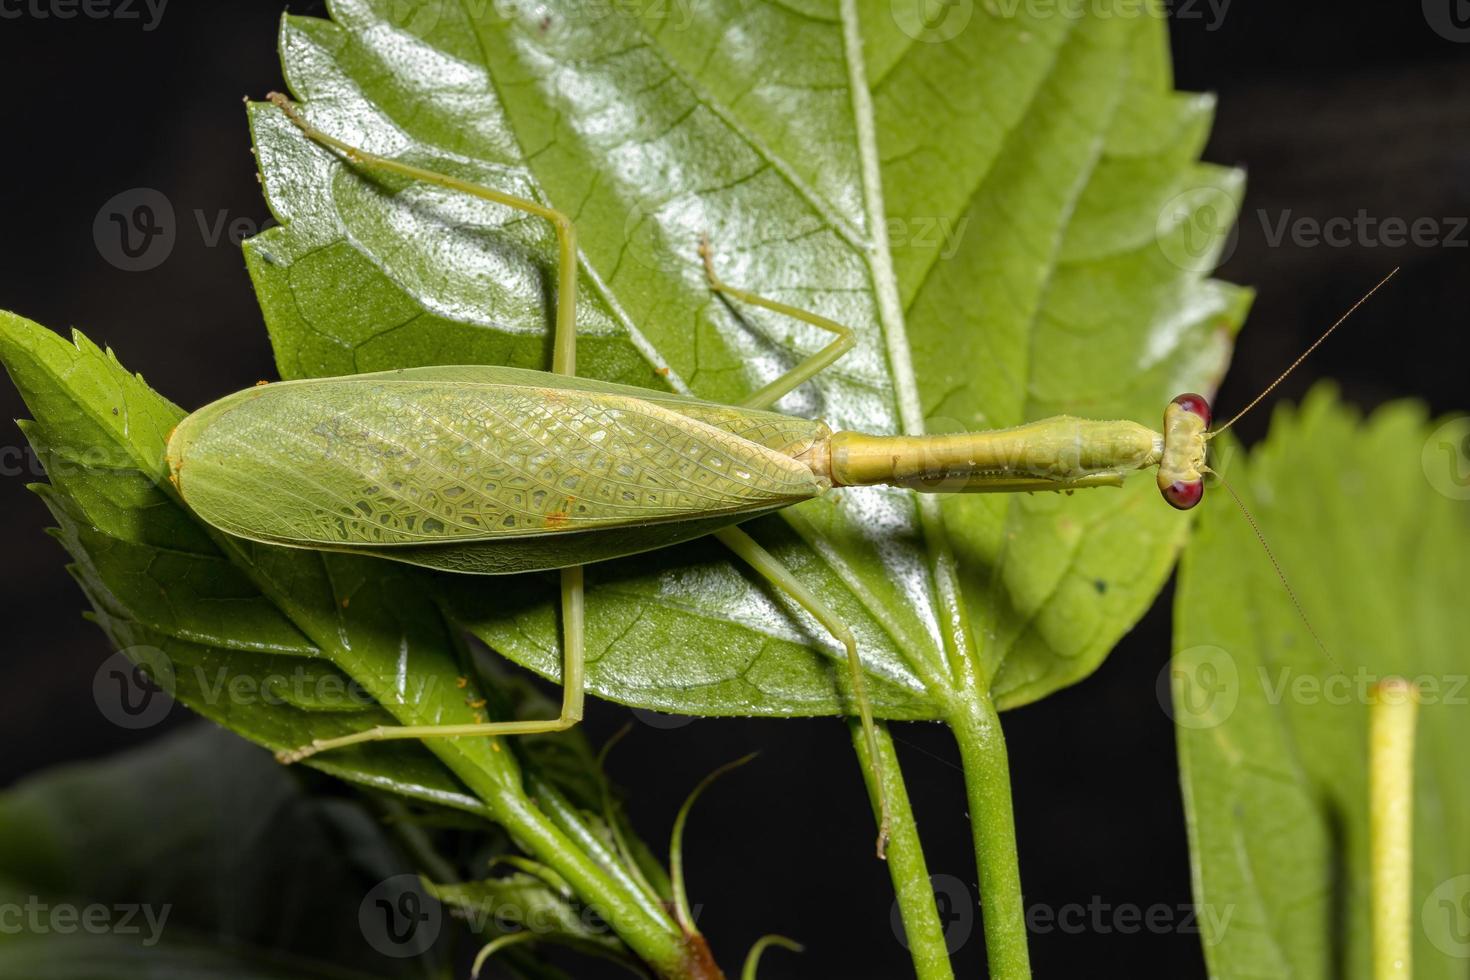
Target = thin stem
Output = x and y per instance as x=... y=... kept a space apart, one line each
x=1391 y=718
x=982 y=744
x=569 y=820
x=906 y=865
x=657 y=942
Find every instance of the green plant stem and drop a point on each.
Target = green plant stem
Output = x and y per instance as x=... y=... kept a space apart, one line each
x=1392 y=714
x=496 y=778
x=568 y=819
x=976 y=727
x=656 y=940
x=906 y=865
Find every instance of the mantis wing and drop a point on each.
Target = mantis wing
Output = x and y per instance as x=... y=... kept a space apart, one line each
x=474 y=476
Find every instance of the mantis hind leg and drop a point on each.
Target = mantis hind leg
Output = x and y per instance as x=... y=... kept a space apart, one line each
x=770 y=568
x=571 y=694
x=563 y=361
x=807 y=369
x=766 y=564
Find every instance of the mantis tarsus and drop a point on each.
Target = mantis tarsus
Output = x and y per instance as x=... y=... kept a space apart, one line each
x=495 y=470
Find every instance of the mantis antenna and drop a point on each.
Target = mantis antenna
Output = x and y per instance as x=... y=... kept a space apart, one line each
x=1304 y=355
x=1261 y=537
x=1250 y=518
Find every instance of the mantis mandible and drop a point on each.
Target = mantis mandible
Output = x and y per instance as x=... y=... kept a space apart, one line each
x=497 y=470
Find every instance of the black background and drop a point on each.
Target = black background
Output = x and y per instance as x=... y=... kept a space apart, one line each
x=1332 y=109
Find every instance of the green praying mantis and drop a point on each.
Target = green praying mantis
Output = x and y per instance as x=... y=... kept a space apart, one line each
x=496 y=470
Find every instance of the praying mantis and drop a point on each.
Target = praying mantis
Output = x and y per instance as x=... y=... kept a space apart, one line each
x=496 y=470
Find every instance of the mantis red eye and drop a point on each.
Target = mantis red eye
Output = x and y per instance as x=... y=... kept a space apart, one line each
x=1184 y=494
x=1195 y=405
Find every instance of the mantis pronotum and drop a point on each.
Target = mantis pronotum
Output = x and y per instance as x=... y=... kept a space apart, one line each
x=495 y=470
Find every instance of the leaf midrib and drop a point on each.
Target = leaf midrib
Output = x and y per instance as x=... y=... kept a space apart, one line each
x=876 y=257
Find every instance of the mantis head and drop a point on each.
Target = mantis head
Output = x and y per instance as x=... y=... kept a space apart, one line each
x=1182 y=467
x=1187 y=429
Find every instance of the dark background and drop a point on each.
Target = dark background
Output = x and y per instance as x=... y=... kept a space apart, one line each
x=1332 y=109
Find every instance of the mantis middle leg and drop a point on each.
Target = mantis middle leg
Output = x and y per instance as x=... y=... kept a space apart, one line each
x=766 y=564
x=809 y=368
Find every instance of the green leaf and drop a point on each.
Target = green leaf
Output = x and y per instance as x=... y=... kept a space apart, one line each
x=159 y=583
x=285 y=646
x=207 y=860
x=1273 y=734
x=992 y=210
x=522 y=901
